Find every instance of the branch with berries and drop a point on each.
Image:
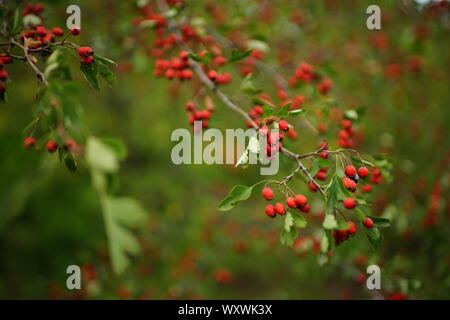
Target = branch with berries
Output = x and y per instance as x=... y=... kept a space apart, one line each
x=56 y=125
x=173 y=30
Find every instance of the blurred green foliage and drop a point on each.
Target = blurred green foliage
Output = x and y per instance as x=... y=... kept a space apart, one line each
x=51 y=218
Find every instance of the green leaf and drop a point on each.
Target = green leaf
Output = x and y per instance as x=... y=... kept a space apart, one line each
x=332 y=194
x=90 y=73
x=351 y=115
x=70 y=162
x=326 y=243
x=237 y=55
x=342 y=225
x=248 y=86
x=31 y=20
x=117 y=146
x=288 y=222
x=100 y=156
x=299 y=221
x=283 y=111
x=121 y=214
x=237 y=194
x=287 y=237
x=257 y=45
x=375 y=237
x=195 y=57
x=297 y=112
x=330 y=222
x=105 y=60
x=15 y=27
x=381 y=222
x=106 y=73
x=268 y=112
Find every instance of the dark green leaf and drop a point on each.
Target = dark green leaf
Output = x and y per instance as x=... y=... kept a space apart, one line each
x=381 y=222
x=237 y=55
x=90 y=73
x=70 y=162
x=104 y=60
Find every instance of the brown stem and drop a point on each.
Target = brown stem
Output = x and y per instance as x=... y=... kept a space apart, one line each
x=29 y=60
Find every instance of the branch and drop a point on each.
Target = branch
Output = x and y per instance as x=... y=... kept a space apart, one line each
x=205 y=80
x=29 y=60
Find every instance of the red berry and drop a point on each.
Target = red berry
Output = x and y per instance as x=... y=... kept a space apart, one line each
x=190 y=106
x=29 y=142
x=258 y=109
x=312 y=186
x=350 y=171
x=206 y=114
x=280 y=209
x=58 y=32
x=51 y=146
x=301 y=200
x=85 y=51
x=41 y=31
x=274 y=137
x=321 y=175
x=70 y=145
x=346 y=124
x=87 y=60
x=349 y=203
x=75 y=31
x=212 y=75
x=363 y=172
x=368 y=223
x=305 y=208
x=170 y=73
x=3 y=75
x=351 y=228
x=324 y=155
x=283 y=125
x=264 y=131
x=270 y=210
x=291 y=203
x=187 y=74
x=267 y=193
x=366 y=188
x=184 y=55
x=349 y=184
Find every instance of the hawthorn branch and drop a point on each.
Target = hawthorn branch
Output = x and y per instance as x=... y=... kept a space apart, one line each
x=224 y=98
x=30 y=62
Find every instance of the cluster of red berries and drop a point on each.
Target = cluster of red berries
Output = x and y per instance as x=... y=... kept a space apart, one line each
x=344 y=139
x=342 y=235
x=303 y=73
x=35 y=9
x=198 y=115
x=41 y=36
x=353 y=176
x=86 y=54
x=274 y=141
x=219 y=78
x=3 y=73
x=51 y=146
x=324 y=86
x=248 y=64
x=176 y=67
x=298 y=202
x=255 y=113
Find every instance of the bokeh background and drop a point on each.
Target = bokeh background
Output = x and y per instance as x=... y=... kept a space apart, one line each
x=51 y=218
